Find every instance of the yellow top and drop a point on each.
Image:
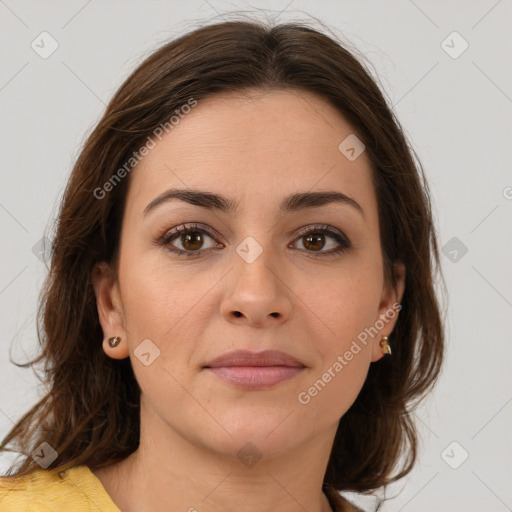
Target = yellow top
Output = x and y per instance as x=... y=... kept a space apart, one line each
x=78 y=490
x=44 y=490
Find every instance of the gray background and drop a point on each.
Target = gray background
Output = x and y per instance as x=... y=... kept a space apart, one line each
x=456 y=111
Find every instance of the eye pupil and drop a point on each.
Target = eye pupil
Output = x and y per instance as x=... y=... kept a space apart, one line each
x=314 y=239
x=189 y=237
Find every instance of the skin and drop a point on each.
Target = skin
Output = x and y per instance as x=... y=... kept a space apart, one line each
x=257 y=149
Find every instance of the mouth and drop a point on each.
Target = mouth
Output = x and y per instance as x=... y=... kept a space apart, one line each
x=251 y=370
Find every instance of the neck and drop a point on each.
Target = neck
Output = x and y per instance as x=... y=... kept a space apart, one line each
x=169 y=472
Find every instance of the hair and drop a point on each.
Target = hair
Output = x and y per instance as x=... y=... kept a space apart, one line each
x=90 y=412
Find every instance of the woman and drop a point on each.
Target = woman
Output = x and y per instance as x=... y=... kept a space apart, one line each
x=240 y=312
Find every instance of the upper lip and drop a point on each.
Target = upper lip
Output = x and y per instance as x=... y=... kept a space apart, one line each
x=247 y=358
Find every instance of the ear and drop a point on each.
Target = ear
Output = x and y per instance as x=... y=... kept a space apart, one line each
x=389 y=308
x=110 y=311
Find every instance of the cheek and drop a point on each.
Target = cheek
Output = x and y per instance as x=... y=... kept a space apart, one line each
x=347 y=307
x=348 y=302
x=167 y=306
x=156 y=294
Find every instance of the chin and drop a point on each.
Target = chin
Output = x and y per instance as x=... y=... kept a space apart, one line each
x=255 y=433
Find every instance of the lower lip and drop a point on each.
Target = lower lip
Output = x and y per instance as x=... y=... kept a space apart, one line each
x=256 y=377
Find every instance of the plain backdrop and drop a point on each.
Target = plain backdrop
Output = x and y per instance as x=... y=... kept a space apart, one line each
x=442 y=64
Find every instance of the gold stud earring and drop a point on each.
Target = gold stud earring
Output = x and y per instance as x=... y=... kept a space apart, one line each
x=113 y=342
x=384 y=345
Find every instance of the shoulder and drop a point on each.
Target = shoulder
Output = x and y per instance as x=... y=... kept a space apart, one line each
x=54 y=491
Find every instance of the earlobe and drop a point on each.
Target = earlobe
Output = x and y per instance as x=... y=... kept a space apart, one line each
x=115 y=347
x=381 y=347
x=110 y=312
x=389 y=308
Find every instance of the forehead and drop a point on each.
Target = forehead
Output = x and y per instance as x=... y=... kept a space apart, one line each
x=256 y=144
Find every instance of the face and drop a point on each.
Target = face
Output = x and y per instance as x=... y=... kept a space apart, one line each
x=302 y=277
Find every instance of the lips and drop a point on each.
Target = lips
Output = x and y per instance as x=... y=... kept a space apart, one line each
x=246 y=358
x=253 y=371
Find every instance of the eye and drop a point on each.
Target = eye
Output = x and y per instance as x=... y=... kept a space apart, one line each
x=314 y=240
x=191 y=237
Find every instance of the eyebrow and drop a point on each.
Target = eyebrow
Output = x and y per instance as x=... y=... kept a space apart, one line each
x=210 y=201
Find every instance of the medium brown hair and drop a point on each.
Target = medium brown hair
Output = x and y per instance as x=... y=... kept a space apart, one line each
x=90 y=414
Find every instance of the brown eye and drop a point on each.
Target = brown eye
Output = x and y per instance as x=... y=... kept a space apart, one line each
x=192 y=241
x=317 y=238
x=314 y=241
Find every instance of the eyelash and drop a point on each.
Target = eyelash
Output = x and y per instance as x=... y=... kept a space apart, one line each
x=167 y=237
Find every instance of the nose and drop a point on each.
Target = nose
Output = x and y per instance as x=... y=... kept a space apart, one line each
x=257 y=295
